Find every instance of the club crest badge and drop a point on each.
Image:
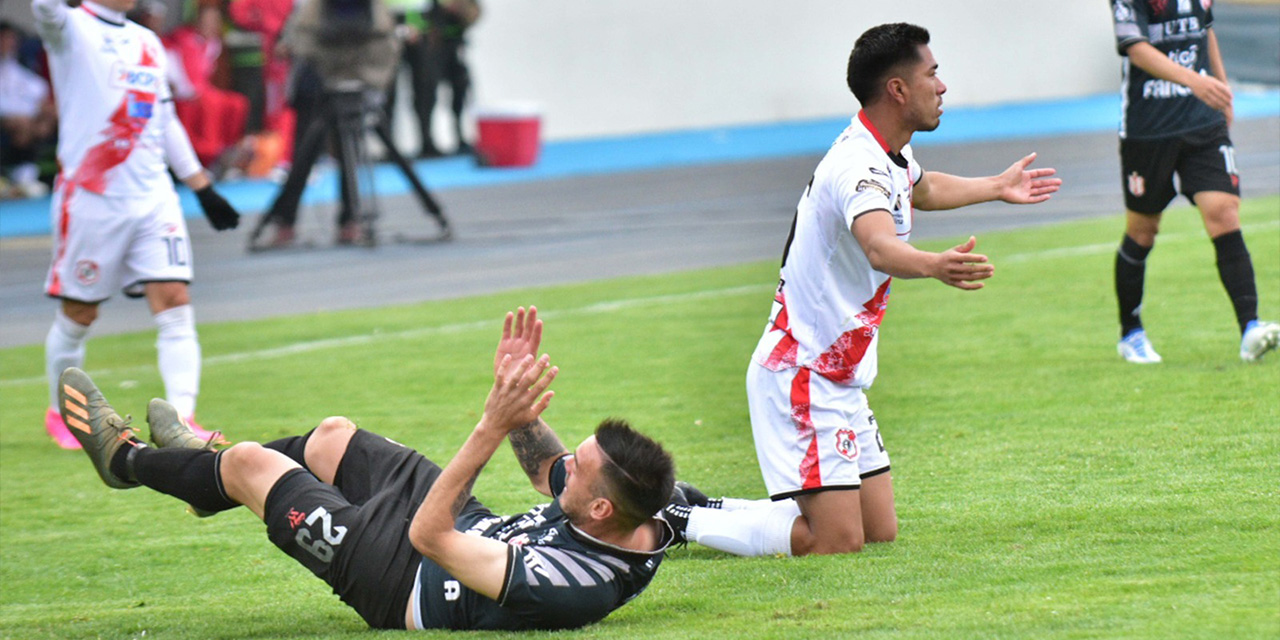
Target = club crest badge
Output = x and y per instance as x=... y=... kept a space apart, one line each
x=847 y=444
x=87 y=272
x=1137 y=186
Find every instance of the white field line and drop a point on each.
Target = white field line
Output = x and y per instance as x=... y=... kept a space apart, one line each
x=592 y=309
x=1110 y=247
x=296 y=348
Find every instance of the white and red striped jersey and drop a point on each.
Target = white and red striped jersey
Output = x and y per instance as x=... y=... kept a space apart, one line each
x=830 y=301
x=116 y=123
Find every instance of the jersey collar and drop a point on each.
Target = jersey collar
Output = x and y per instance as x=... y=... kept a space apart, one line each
x=107 y=15
x=897 y=158
x=664 y=528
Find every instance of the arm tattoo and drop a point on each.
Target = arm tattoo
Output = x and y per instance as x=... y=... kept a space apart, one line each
x=533 y=444
x=465 y=495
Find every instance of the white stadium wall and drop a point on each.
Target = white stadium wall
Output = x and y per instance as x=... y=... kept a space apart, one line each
x=600 y=67
x=610 y=67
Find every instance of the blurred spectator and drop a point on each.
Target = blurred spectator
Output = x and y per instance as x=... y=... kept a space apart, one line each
x=213 y=117
x=410 y=17
x=336 y=55
x=267 y=18
x=28 y=119
x=447 y=22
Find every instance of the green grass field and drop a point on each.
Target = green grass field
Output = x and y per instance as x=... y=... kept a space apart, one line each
x=1045 y=487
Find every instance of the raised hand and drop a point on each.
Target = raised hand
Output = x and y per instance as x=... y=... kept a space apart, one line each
x=517 y=397
x=1019 y=185
x=961 y=268
x=521 y=336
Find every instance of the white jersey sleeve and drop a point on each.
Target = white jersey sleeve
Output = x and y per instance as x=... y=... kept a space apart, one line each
x=178 y=151
x=50 y=16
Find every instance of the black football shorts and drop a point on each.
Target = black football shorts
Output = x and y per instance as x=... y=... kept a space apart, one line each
x=354 y=534
x=1203 y=160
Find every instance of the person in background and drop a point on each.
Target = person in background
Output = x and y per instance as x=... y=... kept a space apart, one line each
x=267 y=18
x=213 y=117
x=410 y=25
x=447 y=22
x=28 y=119
x=1177 y=110
x=117 y=220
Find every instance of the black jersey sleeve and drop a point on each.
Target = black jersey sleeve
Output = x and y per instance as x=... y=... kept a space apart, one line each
x=1131 y=19
x=558 y=475
x=559 y=588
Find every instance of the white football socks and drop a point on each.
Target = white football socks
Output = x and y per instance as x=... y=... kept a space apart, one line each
x=178 y=356
x=734 y=504
x=63 y=347
x=763 y=528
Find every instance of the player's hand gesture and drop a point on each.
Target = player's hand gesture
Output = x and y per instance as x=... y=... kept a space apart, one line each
x=961 y=268
x=521 y=336
x=1019 y=185
x=519 y=394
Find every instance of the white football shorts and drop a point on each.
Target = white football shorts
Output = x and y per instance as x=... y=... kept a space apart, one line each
x=102 y=243
x=811 y=434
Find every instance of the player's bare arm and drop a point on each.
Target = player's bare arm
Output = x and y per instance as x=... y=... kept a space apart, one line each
x=1219 y=70
x=1016 y=185
x=518 y=397
x=958 y=266
x=1213 y=91
x=537 y=448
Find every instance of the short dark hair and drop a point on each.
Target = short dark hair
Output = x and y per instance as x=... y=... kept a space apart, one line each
x=877 y=52
x=639 y=474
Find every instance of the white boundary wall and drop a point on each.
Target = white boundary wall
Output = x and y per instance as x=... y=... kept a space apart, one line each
x=608 y=67
x=602 y=67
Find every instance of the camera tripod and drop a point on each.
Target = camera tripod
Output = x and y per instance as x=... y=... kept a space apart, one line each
x=349 y=116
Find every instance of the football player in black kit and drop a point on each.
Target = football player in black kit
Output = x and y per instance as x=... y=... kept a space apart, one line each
x=1177 y=108
x=400 y=539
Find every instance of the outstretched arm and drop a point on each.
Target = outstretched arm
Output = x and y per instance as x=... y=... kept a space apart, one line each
x=958 y=266
x=517 y=398
x=536 y=446
x=1016 y=185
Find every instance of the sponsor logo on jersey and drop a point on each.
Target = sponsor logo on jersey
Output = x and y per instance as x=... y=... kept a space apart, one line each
x=1186 y=57
x=139 y=108
x=452 y=590
x=295 y=518
x=135 y=78
x=1157 y=6
x=863 y=185
x=1176 y=29
x=1137 y=186
x=87 y=272
x=1162 y=89
x=847 y=444
x=879 y=172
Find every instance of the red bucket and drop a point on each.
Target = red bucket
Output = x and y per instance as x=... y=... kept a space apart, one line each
x=508 y=136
